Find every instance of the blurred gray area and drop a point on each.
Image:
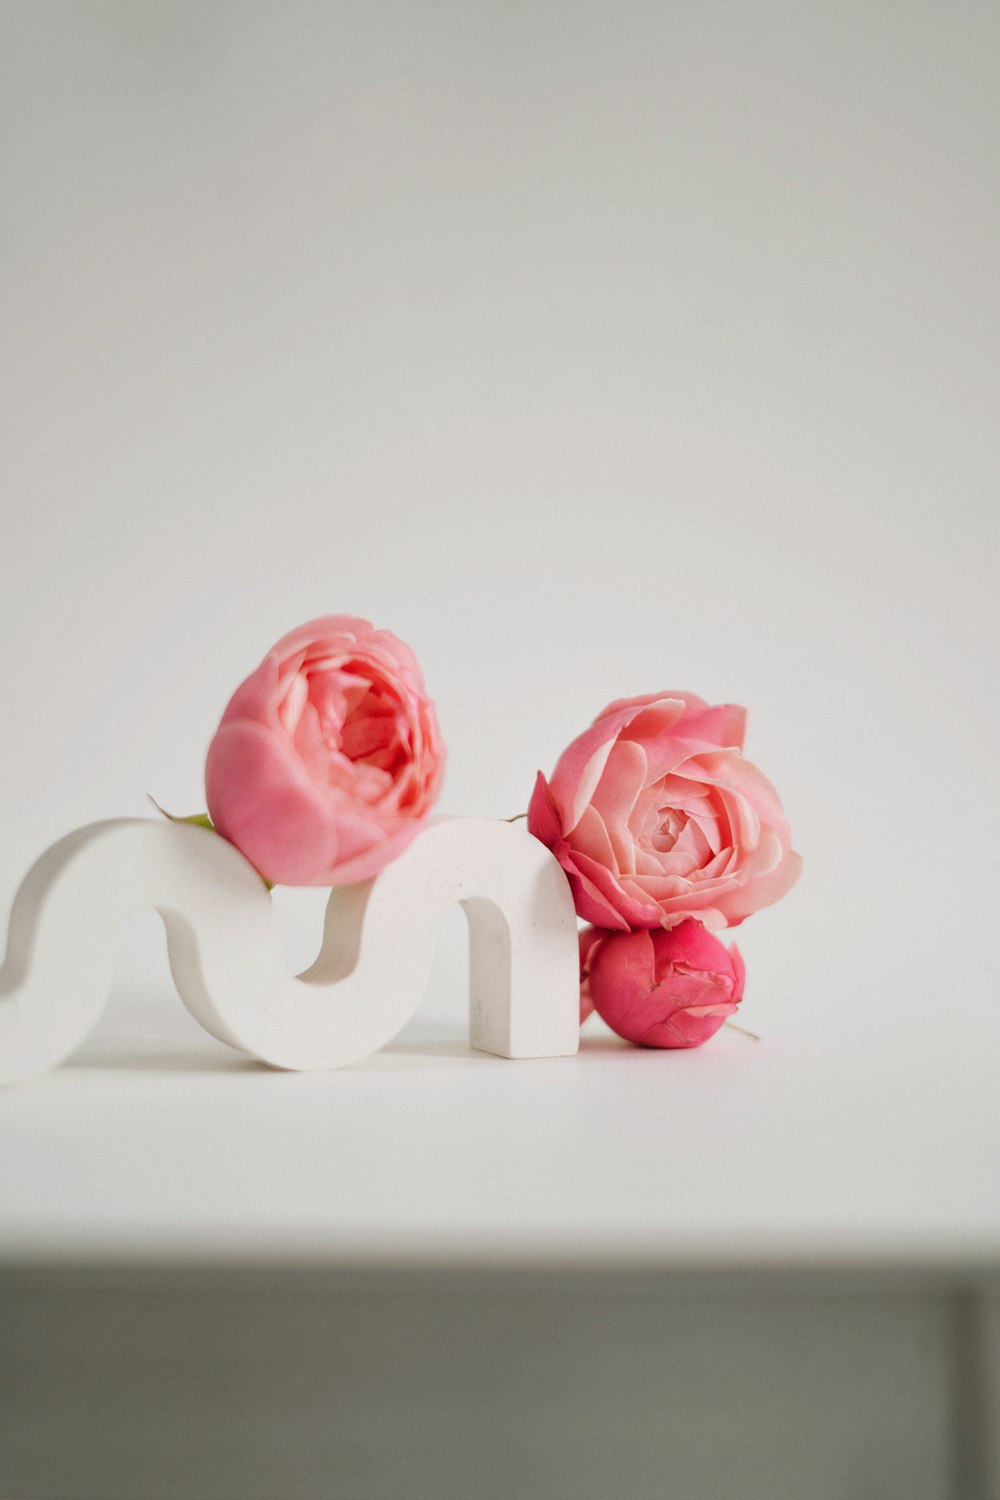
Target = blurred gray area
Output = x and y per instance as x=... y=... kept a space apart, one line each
x=243 y=1386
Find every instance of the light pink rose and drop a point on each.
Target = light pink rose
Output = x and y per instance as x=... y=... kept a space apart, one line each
x=328 y=757
x=655 y=817
x=665 y=989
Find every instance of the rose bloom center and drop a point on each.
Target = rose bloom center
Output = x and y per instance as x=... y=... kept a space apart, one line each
x=362 y=726
x=672 y=825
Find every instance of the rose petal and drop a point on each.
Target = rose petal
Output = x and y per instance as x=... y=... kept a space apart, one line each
x=263 y=802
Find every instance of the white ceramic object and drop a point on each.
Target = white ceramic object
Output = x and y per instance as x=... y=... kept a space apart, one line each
x=225 y=948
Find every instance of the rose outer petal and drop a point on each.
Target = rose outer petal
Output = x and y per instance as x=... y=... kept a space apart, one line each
x=543 y=821
x=259 y=799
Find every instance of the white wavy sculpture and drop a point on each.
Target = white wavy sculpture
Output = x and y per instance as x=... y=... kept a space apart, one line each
x=225 y=948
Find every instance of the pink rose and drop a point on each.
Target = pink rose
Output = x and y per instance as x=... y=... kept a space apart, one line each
x=656 y=817
x=328 y=757
x=665 y=989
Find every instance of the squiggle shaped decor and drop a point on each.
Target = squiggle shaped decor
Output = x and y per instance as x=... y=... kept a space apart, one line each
x=225 y=949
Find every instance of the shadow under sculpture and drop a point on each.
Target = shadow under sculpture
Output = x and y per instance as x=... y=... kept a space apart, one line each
x=225 y=948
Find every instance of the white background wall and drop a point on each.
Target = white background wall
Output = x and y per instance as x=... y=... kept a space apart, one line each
x=594 y=349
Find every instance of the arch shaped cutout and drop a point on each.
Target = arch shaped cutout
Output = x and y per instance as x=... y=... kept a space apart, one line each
x=225 y=951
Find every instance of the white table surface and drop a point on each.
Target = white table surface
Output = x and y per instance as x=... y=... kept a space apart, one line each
x=157 y=1143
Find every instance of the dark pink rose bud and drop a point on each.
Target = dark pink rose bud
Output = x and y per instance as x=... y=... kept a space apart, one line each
x=665 y=988
x=589 y=938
